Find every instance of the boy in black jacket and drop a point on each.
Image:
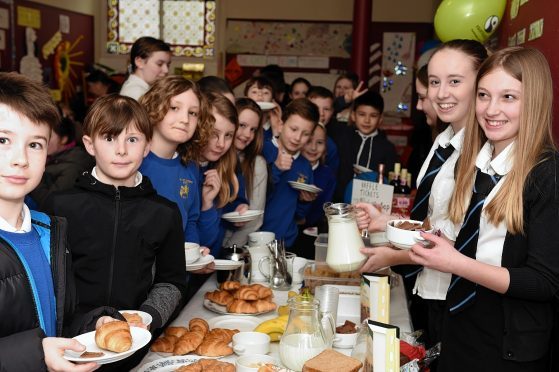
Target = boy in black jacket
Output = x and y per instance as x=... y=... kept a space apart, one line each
x=37 y=294
x=119 y=227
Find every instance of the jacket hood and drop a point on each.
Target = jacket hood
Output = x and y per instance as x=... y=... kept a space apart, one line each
x=87 y=182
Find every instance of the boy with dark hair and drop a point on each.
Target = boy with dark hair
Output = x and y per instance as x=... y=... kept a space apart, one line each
x=37 y=296
x=363 y=143
x=324 y=100
x=284 y=204
x=119 y=227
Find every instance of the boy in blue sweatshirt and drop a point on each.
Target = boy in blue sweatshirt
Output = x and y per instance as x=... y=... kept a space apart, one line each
x=284 y=204
x=37 y=296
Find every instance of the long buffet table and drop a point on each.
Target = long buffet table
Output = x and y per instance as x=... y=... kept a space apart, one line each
x=399 y=316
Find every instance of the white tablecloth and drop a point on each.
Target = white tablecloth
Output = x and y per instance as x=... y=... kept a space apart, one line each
x=399 y=316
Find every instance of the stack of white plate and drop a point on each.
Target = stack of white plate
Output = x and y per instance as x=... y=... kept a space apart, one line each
x=247 y=216
x=304 y=187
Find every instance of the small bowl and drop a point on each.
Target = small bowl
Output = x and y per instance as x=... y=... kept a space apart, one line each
x=403 y=239
x=251 y=363
x=251 y=342
x=345 y=340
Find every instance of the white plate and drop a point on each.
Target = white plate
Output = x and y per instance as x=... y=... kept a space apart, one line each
x=170 y=364
x=311 y=231
x=304 y=187
x=227 y=264
x=361 y=168
x=242 y=323
x=219 y=309
x=140 y=338
x=146 y=318
x=249 y=215
x=200 y=263
x=265 y=106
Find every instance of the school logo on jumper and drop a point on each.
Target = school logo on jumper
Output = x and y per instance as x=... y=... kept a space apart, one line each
x=185 y=188
x=302 y=178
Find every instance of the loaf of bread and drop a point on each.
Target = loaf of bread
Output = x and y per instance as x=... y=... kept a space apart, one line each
x=199 y=324
x=176 y=331
x=220 y=297
x=213 y=347
x=188 y=342
x=246 y=293
x=164 y=344
x=242 y=307
x=230 y=286
x=332 y=361
x=114 y=336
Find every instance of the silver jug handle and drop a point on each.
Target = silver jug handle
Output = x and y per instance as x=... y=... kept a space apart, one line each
x=260 y=267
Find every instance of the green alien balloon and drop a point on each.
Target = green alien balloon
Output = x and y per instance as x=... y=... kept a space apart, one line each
x=468 y=19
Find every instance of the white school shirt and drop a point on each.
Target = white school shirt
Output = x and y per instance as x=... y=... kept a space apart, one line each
x=25 y=226
x=492 y=238
x=432 y=284
x=134 y=87
x=137 y=178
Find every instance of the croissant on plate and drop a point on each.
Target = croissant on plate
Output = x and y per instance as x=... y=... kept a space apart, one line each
x=208 y=365
x=114 y=336
x=212 y=346
x=224 y=334
x=164 y=344
x=264 y=306
x=241 y=307
x=223 y=298
x=230 y=285
x=246 y=293
x=176 y=331
x=262 y=291
x=188 y=342
x=199 y=324
x=132 y=317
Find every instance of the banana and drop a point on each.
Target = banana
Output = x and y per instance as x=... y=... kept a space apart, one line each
x=276 y=325
x=275 y=336
x=283 y=310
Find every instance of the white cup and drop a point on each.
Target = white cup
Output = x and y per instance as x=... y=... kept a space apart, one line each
x=256 y=254
x=298 y=269
x=251 y=342
x=260 y=238
x=191 y=252
x=251 y=362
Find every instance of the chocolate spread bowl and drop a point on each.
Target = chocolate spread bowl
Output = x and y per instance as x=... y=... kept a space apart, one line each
x=404 y=234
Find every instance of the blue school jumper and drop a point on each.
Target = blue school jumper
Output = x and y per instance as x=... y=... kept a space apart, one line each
x=178 y=183
x=33 y=250
x=324 y=178
x=332 y=157
x=282 y=203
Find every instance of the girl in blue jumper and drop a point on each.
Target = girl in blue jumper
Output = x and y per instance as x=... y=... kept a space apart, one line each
x=285 y=205
x=220 y=187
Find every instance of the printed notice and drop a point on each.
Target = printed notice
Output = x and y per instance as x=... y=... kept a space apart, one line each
x=377 y=194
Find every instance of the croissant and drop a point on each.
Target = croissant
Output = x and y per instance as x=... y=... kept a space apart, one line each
x=132 y=317
x=246 y=293
x=176 y=331
x=224 y=334
x=212 y=346
x=216 y=365
x=223 y=298
x=263 y=291
x=230 y=285
x=114 y=336
x=241 y=307
x=198 y=324
x=188 y=342
x=264 y=306
x=164 y=344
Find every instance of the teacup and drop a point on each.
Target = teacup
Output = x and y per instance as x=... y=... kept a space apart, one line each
x=251 y=362
x=251 y=342
x=191 y=252
x=298 y=268
x=345 y=340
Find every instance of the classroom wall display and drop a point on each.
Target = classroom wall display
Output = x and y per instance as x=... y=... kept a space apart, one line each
x=288 y=38
x=398 y=58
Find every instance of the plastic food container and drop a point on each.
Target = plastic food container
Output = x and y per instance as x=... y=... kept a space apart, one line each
x=320 y=247
x=319 y=273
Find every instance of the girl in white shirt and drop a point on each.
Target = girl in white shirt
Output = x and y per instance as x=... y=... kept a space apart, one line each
x=499 y=314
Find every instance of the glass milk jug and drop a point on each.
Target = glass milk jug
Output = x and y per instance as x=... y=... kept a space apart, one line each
x=344 y=238
x=305 y=335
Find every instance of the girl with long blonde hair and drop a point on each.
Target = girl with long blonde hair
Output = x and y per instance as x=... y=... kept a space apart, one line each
x=505 y=262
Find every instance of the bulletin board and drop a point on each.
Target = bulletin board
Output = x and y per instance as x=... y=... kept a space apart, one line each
x=63 y=44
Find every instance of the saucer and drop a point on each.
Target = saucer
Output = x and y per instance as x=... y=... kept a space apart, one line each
x=200 y=263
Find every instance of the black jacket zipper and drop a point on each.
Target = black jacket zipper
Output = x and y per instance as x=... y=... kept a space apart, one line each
x=113 y=247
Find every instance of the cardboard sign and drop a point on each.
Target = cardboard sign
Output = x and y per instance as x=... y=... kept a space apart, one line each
x=377 y=194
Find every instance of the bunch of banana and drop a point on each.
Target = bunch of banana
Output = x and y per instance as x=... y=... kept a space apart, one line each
x=273 y=327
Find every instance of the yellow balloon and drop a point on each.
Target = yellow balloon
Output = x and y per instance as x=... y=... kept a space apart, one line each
x=468 y=19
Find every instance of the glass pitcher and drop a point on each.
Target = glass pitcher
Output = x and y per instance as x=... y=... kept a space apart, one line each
x=307 y=334
x=344 y=238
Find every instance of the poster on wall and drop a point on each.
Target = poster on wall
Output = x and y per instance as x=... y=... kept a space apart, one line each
x=398 y=55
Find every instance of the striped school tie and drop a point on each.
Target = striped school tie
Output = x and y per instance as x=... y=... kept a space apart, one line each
x=462 y=292
x=421 y=204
